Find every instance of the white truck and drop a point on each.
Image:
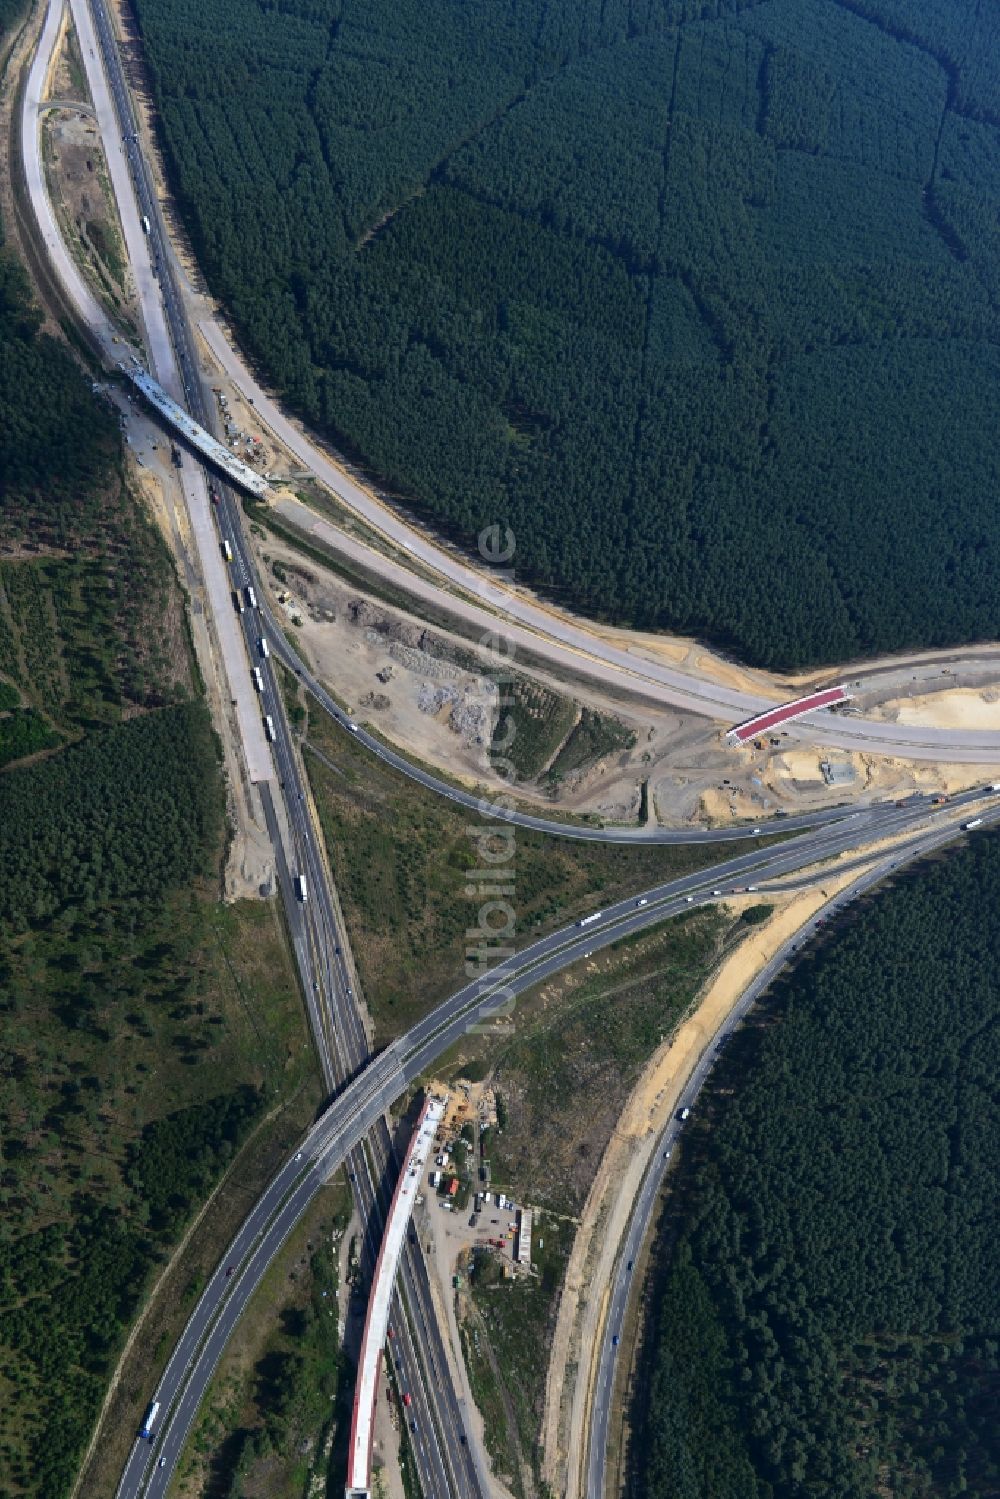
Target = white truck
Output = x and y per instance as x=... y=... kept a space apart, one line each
x=269 y=728
x=589 y=920
x=227 y=551
x=258 y=680
x=144 y=221
x=265 y=649
x=251 y=597
x=300 y=887
x=147 y=1426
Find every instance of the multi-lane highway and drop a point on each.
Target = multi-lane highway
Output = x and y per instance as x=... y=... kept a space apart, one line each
x=365 y=1101
x=567 y=643
x=531 y=628
x=497 y=810
x=444 y=1458
x=604 y=1375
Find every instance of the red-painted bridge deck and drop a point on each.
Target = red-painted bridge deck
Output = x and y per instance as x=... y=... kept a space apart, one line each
x=785 y=712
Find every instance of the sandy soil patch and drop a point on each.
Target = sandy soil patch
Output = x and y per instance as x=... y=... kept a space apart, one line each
x=962 y=708
x=419 y=705
x=385 y=664
x=803 y=765
x=686 y=653
x=249 y=873
x=619 y=1177
x=716 y=806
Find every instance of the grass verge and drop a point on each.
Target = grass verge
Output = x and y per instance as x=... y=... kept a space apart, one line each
x=277 y=1402
x=403 y=860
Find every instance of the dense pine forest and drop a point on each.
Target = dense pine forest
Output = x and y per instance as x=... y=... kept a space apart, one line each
x=701 y=298
x=828 y=1316
x=139 y=1026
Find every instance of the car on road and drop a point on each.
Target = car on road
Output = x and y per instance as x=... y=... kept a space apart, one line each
x=616 y=1340
x=162 y=1463
x=683 y=1113
x=689 y=899
x=642 y=902
x=629 y=1265
x=407 y=1398
x=754 y=832
x=298 y=1155
x=230 y=1269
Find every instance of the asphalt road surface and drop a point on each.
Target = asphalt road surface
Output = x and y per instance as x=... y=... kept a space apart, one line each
x=363 y=1102
x=441 y=1452
x=624 y=1284
x=576 y=648
x=334 y=1018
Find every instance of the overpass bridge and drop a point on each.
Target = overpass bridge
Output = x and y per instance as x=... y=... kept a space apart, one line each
x=193 y=433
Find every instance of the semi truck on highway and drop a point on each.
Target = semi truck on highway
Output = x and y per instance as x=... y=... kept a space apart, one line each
x=264 y=648
x=269 y=728
x=251 y=597
x=227 y=551
x=147 y=1425
x=144 y=221
x=300 y=887
x=975 y=823
x=589 y=920
x=258 y=680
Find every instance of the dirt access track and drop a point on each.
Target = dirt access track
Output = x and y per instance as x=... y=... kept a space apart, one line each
x=576 y=1340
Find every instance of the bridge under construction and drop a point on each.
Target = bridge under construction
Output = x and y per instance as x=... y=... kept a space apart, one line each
x=209 y=447
x=359 y=1461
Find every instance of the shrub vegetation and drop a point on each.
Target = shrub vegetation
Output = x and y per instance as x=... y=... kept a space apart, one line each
x=136 y=1046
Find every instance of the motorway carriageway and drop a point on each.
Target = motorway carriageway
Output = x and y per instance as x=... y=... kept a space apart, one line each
x=623 y=1283
x=538 y=630
x=491 y=807
x=371 y=1094
x=313 y=941
x=186 y=360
